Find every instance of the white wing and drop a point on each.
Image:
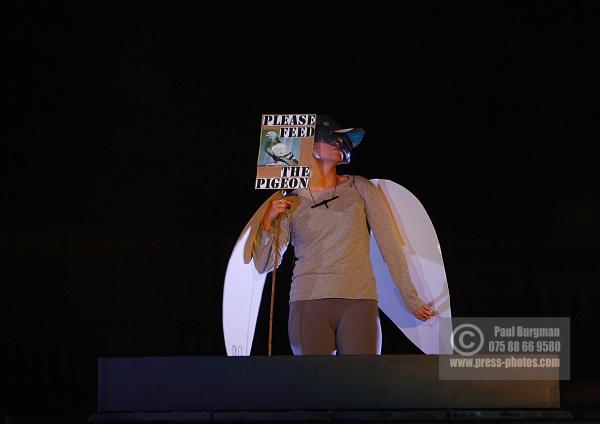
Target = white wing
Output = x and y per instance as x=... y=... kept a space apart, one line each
x=242 y=290
x=426 y=269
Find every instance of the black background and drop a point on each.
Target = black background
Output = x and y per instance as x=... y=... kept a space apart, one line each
x=131 y=147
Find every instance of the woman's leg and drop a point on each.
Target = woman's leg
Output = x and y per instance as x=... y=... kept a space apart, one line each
x=359 y=328
x=310 y=327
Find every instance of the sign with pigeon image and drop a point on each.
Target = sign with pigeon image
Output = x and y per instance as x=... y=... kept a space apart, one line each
x=286 y=142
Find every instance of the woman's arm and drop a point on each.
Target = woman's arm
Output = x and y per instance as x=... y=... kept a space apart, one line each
x=383 y=225
x=273 y=231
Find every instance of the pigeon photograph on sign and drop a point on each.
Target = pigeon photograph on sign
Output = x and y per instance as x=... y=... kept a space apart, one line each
x=286 y=142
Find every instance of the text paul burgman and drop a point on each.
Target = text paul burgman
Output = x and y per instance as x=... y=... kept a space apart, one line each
x=520 y=331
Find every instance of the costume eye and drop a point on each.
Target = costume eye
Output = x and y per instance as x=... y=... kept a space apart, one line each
x=337 y=140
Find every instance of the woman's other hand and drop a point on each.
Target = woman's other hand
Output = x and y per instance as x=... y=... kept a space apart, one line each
x=424 y=312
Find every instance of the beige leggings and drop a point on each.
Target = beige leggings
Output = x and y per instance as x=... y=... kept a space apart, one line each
x=330 y=326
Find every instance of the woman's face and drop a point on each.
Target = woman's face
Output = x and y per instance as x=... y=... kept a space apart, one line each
x=327 y=152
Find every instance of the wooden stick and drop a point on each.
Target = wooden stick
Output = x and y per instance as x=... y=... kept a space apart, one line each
x=275 y=260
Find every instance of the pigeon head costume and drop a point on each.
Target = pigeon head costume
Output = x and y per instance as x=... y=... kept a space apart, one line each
x=328 y=130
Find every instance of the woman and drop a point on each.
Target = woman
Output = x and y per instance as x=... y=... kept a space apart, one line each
x=333 y=296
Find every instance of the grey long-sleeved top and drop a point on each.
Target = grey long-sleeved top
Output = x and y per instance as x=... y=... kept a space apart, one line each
x=332 y=245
